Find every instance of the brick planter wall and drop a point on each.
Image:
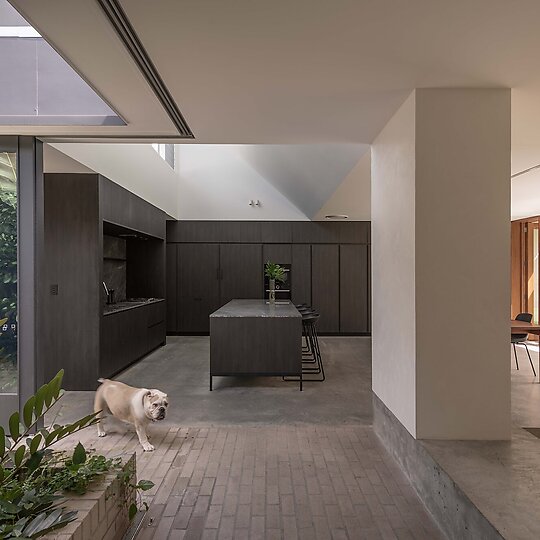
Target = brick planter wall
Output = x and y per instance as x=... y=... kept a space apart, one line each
x=102 y=511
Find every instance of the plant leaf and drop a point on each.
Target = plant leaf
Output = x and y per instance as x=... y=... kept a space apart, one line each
x=34 y=461
x=2 y=442
x=145 y=485
x=14 y=425
x=34 y=445
x=40 y=399
x=19 y=455
x=28 y=411
x=132 y=511
x=79 y=455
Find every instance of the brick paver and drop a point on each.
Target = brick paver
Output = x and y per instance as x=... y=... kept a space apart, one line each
x=314 y=482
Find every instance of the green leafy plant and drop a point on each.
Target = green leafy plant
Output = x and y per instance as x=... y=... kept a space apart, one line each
x=8 y=278
x=275 y=271
x=34 y=477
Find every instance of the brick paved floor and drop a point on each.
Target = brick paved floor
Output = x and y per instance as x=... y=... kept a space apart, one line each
x=269 y=482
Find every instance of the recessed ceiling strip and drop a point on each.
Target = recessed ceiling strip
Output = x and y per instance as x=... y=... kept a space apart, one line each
x=120 y=22
x=525 y=171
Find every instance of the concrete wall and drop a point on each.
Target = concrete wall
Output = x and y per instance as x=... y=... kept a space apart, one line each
x=393 y=263
x=441 y=250
x=353 y=195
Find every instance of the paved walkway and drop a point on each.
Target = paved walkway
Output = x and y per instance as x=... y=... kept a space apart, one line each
x=262 y=459
x=272 y=483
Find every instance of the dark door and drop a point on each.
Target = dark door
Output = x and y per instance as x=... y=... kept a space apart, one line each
x=325 y=285
x=171 y=287
x=241 y=268
x=197 y=286
x=353 y=269
x=301 y=274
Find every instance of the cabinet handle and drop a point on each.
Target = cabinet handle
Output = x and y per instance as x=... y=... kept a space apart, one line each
x=217 y=273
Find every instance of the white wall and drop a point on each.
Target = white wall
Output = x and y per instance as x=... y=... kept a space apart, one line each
x=393 y=264
x=526 y=194
x=215 y=182
x=463 y=263
x=306 y=174
x=136 y=167
x=441 y=254
x=353 y=195
x=55 y=161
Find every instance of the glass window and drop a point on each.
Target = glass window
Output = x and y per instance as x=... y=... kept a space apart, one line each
x=8 y=273
x=166 y=151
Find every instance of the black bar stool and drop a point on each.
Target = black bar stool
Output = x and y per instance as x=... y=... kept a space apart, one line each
x=313 y=353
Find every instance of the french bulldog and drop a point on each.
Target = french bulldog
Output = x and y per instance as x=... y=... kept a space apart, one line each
x=137 y=406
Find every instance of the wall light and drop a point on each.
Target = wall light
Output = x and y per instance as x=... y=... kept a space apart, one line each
x=336 y=216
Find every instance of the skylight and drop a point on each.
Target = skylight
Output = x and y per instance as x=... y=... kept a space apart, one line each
x=166 y=151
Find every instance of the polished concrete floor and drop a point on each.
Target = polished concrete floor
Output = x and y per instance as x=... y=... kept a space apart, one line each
x=181 y=370
x=257 y=458
x=503 y=478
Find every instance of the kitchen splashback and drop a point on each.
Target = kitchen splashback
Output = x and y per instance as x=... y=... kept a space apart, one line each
x=115 y=265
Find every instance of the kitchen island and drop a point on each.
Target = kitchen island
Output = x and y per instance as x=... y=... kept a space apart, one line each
x=253 y=338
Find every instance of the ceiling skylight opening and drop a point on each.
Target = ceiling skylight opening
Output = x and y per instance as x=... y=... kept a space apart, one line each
x=166 y=151
x=19 y=32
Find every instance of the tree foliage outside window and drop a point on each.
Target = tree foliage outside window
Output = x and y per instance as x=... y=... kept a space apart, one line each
x=8 y=273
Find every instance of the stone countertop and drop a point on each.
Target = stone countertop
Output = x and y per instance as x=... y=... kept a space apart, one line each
x=109 y=309
x=256 y=308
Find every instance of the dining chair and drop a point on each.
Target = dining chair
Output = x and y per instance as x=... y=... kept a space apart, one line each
x=522 y=339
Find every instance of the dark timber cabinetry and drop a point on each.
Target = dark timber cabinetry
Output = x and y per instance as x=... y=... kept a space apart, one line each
x=78 y=336
x=210 y=263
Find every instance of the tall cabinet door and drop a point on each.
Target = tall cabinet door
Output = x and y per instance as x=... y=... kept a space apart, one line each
x=171 y=287
x=301 y=273
x=241 y=267
x=197 y=286
x=325 y=285
x=354 y=288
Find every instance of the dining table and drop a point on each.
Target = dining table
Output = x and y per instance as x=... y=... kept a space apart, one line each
x=522 y=327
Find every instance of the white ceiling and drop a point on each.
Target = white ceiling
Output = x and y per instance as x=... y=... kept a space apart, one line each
x=297 y=71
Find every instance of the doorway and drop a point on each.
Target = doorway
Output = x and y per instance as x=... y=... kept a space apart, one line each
x=525 y=267
x=9 y=366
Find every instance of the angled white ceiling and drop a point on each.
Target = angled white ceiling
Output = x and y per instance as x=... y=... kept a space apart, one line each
x=306 y=174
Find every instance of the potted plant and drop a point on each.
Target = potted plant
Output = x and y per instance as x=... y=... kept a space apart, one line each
x=274 y=272
x=34 y=478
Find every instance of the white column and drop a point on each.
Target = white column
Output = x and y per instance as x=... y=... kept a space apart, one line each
x=441 y=250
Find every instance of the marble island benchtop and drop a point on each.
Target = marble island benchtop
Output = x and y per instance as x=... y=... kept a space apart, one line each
x=108 y=309
x=256 y=308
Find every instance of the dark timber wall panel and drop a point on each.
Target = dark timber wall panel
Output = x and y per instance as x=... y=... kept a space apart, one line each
x=277 y=253
x=197 y=285
x=301 y=267
x=171 y=288
x=337 y=285
x=241 y=271
x=353 y=270
x=325 y=285
x=73 y=260
x=279 y=232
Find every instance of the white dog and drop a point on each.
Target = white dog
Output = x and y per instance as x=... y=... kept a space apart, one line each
x=137 y=406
